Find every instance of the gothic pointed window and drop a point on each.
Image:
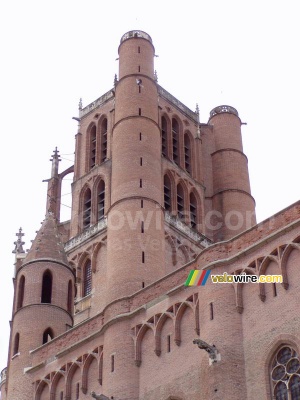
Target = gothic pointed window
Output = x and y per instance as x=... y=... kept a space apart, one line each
x=167 y=193
x=46 y=296
x=187 y=154
x=180 y=201
x=101 y=199
x=285 y=374
x=87 y=278
x=164 y=137
x=193 y=210
x=21 y=291
x=87 y=204
x=16 y=344
x=93 y=146
x=48 y=335
x=103 y=131
x=175 y=140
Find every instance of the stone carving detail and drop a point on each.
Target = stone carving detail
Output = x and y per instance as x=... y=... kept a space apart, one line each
x=197 y=237
x=99 y=396
x=211 y=350
x=89 y=232
x=223 y=109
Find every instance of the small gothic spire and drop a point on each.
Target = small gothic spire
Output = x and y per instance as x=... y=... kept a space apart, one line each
x=197 y=111
x=55 y=160
x=115 y=80
x=80 y=104
x=155 y=76
x=19 y=243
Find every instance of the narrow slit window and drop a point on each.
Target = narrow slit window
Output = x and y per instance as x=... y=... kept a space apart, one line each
x=77 y=391
x=87 y=206
x=175 y=140
x=143 y=285
x=139 y=49
x=143 y=257
x=87 y=279
x=141 y=183
x=112 y=363
x=274 y=289
x=21 y=292
x=141 y=161
x=140 y=89
x=140 y=135
x=93 y=146
x=142 y=227
x=139 y=69
x=103 y=131
x=142 y=203
x=180 y=202
x=140 y=111
x=187 y=154
x=61 y=395
x=16 y=344
x=193 y=211
x=46 y=295
x=211 y=310
x=164 y=138
x=168 y=343
x=70 y=297
x=101 y=199
x=167 y=193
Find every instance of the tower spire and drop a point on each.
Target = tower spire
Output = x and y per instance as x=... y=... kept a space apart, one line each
x=19 y=243
x=53 y=194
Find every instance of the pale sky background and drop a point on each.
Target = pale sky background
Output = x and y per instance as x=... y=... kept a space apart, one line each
x=241 y=53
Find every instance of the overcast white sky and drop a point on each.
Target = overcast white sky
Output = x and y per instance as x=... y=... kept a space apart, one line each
x=242 y=53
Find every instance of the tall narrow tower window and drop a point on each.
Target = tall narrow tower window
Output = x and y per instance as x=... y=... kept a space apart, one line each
x=87 y=203
x=175 y=140
x=167 y=193
x=103 y=140
x=187 y=154
x=70 y=297
x=164 y=137
x=87 y=278
x=21 y=291
x=93 y=146
x=48 y=335
x=16 y=344
x=47 y=287
x=180 y=201
x=101 y=199
x=193 y=210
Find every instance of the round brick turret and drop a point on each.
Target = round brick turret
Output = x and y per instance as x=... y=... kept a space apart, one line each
x=135 y=218
x=233 y=205
x=43 y=305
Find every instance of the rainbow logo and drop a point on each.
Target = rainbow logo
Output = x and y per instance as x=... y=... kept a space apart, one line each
x=197 y=278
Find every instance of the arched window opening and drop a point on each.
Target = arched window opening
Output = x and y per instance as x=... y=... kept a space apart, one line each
x=21 y=292
x=16 y=344
x=104 y=140
x=175 y=140
x=193 y=211
x=87 y=204
x=167 y=193
x=48 y=335
x=70 y=297
x=285 y=374
x=47 y=287
x=87 y=279
x=180 y=201
x=93 y=146
x=101 y=199
x=164 y=137
x=187 y=154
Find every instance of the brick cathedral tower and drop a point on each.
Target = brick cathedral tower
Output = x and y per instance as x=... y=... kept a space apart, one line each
x=152 y=189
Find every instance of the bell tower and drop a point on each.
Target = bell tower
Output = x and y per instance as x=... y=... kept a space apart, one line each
x=135 y=218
